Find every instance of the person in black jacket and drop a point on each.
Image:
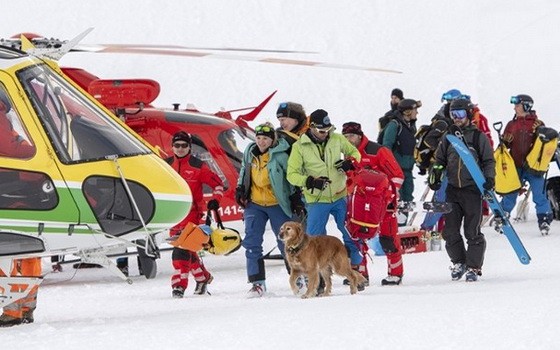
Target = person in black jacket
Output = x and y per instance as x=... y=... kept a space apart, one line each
x=463 y=194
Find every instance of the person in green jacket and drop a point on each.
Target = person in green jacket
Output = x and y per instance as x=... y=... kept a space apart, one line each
x=264 y=193
x=318 y=164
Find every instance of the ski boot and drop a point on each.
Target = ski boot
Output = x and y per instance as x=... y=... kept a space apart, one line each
x=544 y=227
x=457 y=271
x=472 y=274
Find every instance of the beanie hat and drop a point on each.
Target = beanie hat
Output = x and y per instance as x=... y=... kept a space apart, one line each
x=320 y=119
x=181 y=136
x=291 y=110
x=267 y=130
x=352 y=128
x=398 y=93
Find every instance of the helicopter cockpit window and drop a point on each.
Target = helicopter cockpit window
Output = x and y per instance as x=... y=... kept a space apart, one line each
x=15 y=141
x=234 y=142
x=200 y=151
x=77 y=128
x=26 y=190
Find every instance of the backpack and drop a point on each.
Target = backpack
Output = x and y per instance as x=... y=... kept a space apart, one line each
x=384 y=121
x=422 y=152
x=367 y=203
x=507 y=180
x=542 y=151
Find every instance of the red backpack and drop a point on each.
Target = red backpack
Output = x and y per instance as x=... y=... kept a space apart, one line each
x=367 y=203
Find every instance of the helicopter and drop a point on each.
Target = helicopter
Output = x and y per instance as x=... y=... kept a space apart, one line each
x=74 y=179
x=218 y=138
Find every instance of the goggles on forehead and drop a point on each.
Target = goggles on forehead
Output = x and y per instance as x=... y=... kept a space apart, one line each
x=458 y=114
x=263 y=128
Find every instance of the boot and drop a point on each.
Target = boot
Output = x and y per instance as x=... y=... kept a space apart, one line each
x=178 y=292
x=201 y=287
x=9 y=321
x=28 y=316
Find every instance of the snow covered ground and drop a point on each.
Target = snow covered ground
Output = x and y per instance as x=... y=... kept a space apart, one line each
x=491 y=50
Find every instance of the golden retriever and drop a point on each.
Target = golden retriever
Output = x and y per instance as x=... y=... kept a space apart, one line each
x=316 y=255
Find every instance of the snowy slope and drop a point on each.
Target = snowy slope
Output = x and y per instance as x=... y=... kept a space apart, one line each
x=491 y=50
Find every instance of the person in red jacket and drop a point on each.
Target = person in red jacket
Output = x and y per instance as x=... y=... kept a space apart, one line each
x=381 y=158
x=196 y=173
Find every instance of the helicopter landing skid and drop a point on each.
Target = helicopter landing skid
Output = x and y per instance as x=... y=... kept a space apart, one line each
x=100 y=258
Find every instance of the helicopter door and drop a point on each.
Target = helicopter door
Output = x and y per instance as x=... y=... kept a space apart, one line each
x=33 y=196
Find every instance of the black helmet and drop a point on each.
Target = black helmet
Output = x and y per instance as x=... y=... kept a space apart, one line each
x=408 y=104
x=525 y=100
x=462 y=104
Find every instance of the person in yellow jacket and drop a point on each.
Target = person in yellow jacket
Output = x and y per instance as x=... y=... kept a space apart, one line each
x=22 y=310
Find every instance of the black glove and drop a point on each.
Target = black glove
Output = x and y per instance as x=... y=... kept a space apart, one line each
x=240 y=197
x=422 y=171
x=435 y=177
x=213 y=204
x=489 y=184
x=297 y=205
x=319 y=183
x=344 y=165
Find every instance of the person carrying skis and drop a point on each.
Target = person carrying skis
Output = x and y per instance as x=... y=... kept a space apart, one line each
x=380 y=158
x=519 y=136
x=463 y=194
x=196 y=173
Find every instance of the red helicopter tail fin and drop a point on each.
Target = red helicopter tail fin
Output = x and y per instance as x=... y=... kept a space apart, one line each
x=255 y=112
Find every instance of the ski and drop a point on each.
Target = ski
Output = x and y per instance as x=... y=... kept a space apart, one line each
x=431 y=207
x=490 y=197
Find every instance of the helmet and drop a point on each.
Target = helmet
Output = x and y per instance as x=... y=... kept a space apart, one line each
x=525 y=100
x=408 y=104
x=224 y=241
x=451 y=95
x=462 y=104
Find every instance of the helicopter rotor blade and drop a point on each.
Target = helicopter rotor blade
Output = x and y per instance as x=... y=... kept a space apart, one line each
x=125 y=47
x=154 y=50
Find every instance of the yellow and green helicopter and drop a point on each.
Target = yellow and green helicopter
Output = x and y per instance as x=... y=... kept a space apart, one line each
x=74 y=179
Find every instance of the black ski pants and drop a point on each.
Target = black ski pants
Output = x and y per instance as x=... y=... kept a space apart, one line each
x=466 y=205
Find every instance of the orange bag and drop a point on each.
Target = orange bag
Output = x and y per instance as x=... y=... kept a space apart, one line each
x=191 y=238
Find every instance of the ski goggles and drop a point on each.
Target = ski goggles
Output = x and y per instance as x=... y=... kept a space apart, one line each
x=458 y=114
x=515 y=100
x=263 y=128
x=450 y=95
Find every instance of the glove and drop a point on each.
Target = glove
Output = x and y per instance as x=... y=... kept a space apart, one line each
x=240 y=197
x=297 y=205
x=435 y=177
x=213 y=204
x=319 y=183
x=344 y=165
x=422 y=171
x=489 y=184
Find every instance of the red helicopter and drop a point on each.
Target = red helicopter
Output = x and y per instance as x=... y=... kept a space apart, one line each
x=218 y=138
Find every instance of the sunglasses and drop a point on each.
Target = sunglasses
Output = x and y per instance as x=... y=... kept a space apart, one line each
x=181 y=145
x=323 y=130
x=263 y=128
x=458 y=114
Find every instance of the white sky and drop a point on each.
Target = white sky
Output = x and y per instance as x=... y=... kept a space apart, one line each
x=490 y=50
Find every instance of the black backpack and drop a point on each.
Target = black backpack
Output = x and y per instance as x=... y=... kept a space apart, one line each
x=384 y=121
